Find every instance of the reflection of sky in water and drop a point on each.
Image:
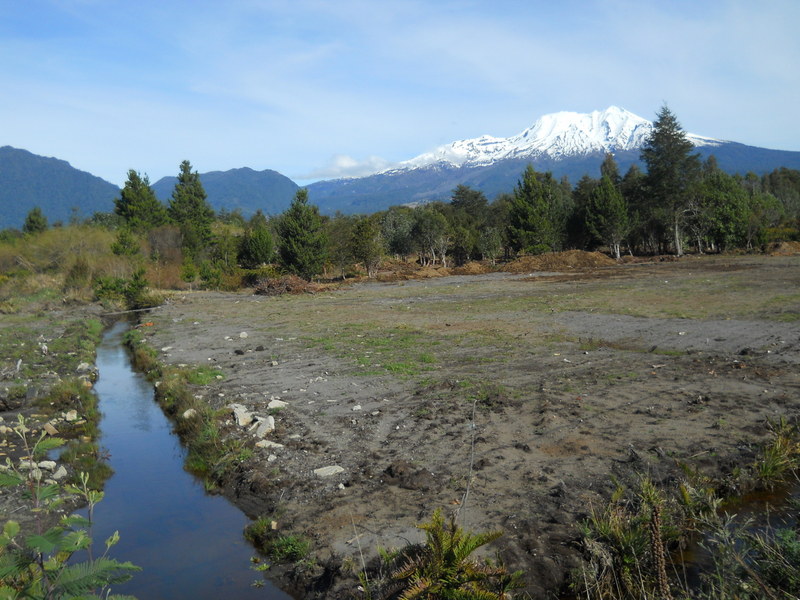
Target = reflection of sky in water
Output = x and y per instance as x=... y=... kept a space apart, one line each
x=129 y=408
x=189 y=545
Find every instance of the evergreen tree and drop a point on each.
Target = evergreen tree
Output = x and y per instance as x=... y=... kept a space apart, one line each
x=35 y=222
x=472 y=202
x=189 y=210
x=538 y=213
x=578 y=233
x=138 y=204
x=607 y=214
x=671 y=171
x=610 y=169
x=257 y=246
x=303 y=244
x=126 y=243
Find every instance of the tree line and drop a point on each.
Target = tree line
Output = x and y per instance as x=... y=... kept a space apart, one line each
x=678 y=204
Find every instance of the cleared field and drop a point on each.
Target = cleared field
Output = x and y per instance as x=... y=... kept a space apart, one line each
x=512 y=399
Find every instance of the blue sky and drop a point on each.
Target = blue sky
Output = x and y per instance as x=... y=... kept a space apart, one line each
x=317 y=89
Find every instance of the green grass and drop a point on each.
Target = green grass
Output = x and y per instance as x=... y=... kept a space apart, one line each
x=203 y=375
x=378 y=350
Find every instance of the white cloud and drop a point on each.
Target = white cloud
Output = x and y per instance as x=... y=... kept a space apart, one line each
x=342 y=165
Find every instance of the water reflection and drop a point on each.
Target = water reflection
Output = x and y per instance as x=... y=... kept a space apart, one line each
x=189 y=544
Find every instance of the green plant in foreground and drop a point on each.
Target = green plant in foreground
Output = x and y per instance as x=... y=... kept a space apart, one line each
x=38 y=566
x=280 y=548
x=780 y=457
x=442 y=567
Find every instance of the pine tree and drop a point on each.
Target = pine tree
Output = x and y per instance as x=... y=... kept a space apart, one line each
x=610 y=169
x=535 y=216
x=257 y=246
x=190 y=211
x=607 y=214
x=303 y=244
x=671 y=171
x=138 y=204
x=35 y=222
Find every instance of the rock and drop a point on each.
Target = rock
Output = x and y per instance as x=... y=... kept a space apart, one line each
x=25 y=465
x=243 y=417
x=328 y=471
x=60 y=473
x=260 y=348
x=166 y=348
x=277 y=404
x=48 y=465
x=274 y=363
x=50 y=429
x=238 y=351
x=71 y=416
x=268 y=444
x=357 y=407
x=84 y=367
x=264 y=425
x=190 y=413
x=272 y=458
x=243 y=335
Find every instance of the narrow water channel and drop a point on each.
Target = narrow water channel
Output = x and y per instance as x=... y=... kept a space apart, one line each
x=189 y=544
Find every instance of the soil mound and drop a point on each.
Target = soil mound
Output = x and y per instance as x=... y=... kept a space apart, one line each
x=290 y=284
x=784 y=248
x=559 y=261
x=472 y=268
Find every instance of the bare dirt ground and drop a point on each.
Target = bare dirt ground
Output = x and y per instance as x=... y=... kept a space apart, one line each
x=510 y=398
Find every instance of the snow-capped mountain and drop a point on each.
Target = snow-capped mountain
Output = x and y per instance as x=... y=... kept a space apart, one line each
x=556 y=136
x=568 y=144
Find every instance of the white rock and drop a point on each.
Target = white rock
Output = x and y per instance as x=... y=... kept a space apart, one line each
x=60 y=473
x=189 y=413
x=84 y=367
x=277 y=404
x=166 y=348
x=71 y=415
x=48 y=465
x=328 y=471
x=274 y=363
x=357 y=407
x=272 y=458
x=268 y=444
x=243 y=335
x=264 y=425
x=243 y=417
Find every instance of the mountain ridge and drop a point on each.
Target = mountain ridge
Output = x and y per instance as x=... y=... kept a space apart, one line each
x=565 y=143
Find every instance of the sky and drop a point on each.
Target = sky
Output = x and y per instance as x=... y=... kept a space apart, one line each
x=318 y=89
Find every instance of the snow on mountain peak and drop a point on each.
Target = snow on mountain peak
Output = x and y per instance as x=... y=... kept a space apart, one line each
x=556 y=135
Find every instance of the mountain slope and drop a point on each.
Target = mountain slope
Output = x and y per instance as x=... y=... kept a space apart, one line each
x=566 y=143
x=244 y=188
x=557 y=136
x=28 y=180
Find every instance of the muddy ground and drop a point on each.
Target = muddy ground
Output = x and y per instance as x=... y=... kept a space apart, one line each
x=512 y=399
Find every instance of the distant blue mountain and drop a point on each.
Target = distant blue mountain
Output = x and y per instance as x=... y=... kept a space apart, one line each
x=28 y=180
x=243 y=189
x=568 y=144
